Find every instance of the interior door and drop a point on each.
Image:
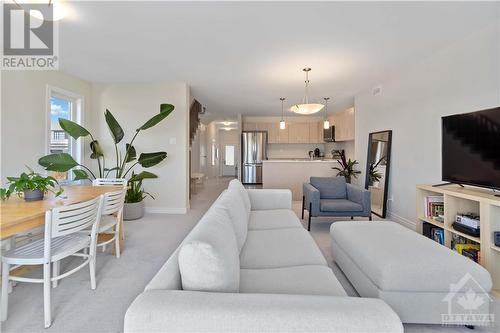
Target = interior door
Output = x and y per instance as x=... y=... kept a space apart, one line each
x=229 y=160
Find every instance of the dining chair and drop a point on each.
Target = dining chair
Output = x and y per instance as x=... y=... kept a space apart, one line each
x=112 y=219
x=110 y=182
x=64 y=236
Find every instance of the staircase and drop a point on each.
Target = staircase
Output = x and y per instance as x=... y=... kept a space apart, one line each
x=194 y=119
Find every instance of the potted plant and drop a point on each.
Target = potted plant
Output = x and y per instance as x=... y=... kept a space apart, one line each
x=347 y=168
x=126 y=156
x=134 y=199
x=32 y=185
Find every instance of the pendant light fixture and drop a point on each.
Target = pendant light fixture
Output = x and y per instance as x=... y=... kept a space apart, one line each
x=326 y=123
x=306 y=107
x=282 y=121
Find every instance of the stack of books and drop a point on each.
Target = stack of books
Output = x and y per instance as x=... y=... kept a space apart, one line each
x=466 y=248
x=434 y=207
x=438 y=235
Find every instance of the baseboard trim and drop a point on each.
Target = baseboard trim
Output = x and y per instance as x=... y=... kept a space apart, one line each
x=166 y=210
x=403 y=221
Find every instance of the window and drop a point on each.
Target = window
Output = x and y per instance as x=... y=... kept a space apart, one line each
x=63 y=105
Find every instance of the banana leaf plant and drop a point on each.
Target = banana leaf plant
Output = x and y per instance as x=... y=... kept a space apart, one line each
x=126 y=156
x=347 y=168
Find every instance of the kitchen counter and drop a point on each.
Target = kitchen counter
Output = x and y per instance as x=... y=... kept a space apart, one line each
x=293 y=173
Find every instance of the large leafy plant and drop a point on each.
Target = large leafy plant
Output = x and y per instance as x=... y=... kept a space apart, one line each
x=29 y=181
x=347 y=168
x=126 y=156
x=373 y=174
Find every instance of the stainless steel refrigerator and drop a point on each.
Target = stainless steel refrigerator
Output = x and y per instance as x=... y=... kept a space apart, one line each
x=254 y=151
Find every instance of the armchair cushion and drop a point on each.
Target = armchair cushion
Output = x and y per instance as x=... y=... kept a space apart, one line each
x=339 y=205
x=330 y=187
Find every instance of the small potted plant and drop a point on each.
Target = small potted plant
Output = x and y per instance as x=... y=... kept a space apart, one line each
x=347 y=168
x=134 y=199
x=31 y=184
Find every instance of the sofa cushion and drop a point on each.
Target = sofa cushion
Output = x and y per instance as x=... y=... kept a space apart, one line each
x=330 y=187
x=280 y=248
x=210 y=260
x=339 y=205
x=299 y=280
x=273 y=219
x=237 y=185
x=395 y=258
x=232 y=202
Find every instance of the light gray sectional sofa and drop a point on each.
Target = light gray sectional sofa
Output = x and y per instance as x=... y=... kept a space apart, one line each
x=249 y=265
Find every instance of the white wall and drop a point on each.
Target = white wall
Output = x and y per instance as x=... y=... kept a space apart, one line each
x=292 y=150
x=462 y=77
x=134 y=104
x=24 y=115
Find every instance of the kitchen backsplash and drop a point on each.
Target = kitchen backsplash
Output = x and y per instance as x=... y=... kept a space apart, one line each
x=287 y=150
x=295 y=150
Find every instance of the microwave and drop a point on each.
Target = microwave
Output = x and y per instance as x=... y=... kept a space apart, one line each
x=329 y=134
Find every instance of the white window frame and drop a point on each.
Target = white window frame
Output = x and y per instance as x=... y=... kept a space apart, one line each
x=77 y=115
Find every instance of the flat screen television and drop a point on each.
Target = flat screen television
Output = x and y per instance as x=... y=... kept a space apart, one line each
x=471 y=148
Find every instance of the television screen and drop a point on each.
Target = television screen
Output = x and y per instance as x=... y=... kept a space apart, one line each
x=471 y=148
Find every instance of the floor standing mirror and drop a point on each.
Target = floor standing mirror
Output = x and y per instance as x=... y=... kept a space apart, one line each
x=377 y=170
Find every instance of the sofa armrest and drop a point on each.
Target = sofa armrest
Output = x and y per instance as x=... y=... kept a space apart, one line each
x=311 y=195
x=359 y=196
x=191 y=311
x=264 y=199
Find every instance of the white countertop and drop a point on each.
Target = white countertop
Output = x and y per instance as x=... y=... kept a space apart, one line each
x=298 y=160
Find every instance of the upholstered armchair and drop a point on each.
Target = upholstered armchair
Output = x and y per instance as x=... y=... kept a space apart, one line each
x=332 y=196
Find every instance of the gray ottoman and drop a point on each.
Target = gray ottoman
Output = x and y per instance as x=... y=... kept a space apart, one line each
x=423 y=281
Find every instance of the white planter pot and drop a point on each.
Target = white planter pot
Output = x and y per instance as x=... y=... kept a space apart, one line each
x=133 y=211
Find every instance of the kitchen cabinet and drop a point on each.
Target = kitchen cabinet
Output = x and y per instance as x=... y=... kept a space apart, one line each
x=316 y=132
x=344 y=125
x=249 y=126
x=298 y=133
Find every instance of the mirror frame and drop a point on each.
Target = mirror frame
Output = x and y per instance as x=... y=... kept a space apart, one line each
x=387 y=169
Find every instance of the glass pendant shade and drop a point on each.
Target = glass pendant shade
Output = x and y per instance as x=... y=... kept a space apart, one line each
x=326 y=124
x=309 y=108
x=282 y=125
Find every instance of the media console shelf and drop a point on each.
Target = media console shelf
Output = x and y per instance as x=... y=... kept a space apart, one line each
x=466 y=200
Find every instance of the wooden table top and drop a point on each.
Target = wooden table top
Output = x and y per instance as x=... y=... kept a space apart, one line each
x=17 y=215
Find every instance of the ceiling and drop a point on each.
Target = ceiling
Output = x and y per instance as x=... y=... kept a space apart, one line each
x=241 y=57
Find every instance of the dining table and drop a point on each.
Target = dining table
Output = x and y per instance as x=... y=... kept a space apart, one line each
x=18 y=216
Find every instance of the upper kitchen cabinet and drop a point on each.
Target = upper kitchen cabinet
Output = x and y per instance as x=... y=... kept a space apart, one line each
x=344 y=125
x=249 y=126
x=316 y=132
x=298 y=133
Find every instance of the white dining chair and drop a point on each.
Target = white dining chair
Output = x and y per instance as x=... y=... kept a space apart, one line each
x=112 y=219
x=65 y=235
x=110 y=182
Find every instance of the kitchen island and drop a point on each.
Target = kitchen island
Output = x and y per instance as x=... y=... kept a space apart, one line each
x=292 y=173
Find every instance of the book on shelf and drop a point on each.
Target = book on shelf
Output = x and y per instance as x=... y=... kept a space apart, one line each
x=434 y=207
x=438 y=235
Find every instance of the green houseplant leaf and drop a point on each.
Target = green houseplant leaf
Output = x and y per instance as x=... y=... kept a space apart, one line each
x=73 y=129
x=96 y=150
x=114 y=127
x=131 y=153
x=150 y=159
x=141 y=176
x=165 y=110
x=60 y=162
x=80 y=174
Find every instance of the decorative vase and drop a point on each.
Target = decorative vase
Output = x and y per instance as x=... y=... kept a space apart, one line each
x=133 y=211
x=33 y=195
